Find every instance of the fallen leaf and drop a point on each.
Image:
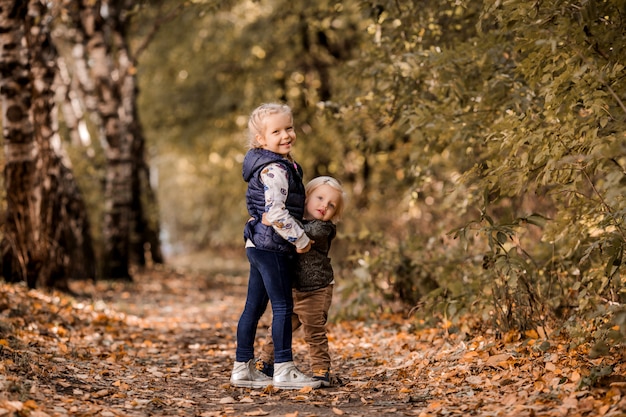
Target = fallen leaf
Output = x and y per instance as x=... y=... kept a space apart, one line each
x=474 y=380
x=305 y=390
x=101 y=393
x=30 y=404
x=570 y=403
x=13 y=405
x=532 y=334
x=541 y=332
x=337 y=411
x=227 y=400
x=38 y=413
x=258 y=412
x=498 y=360
x=270 y=389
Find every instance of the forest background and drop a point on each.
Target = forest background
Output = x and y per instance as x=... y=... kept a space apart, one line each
x=482 y=145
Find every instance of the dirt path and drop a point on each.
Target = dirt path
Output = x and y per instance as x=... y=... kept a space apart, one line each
x=182 y=330
x=164 y=346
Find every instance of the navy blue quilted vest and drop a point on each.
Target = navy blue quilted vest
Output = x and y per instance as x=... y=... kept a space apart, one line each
x=264 y=237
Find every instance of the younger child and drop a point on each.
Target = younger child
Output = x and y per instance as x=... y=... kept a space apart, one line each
x=313 y=286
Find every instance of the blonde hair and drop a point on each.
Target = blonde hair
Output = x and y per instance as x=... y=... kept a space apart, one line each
x=334 y=183
x=256 y=122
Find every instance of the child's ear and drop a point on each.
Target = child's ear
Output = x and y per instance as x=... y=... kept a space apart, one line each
x=260 y=139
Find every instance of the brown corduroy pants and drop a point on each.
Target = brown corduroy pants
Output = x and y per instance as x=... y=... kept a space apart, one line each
x=310 y=311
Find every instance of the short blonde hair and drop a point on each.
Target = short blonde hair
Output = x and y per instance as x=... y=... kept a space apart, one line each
x=334 y=183
x=256 y=122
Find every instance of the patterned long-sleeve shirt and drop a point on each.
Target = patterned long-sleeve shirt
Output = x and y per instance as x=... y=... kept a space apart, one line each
x=274 y=177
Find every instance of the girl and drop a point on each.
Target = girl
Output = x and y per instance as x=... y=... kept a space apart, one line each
x=275 y=189
x=315 y=280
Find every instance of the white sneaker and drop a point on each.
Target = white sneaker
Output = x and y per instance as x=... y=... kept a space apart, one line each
x=246 y=375
x=287 y=376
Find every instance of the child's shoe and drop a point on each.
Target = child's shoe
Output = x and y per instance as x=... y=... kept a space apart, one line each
x=245 y=375
x=327 y=379
x=265 y=367
x=287 y=376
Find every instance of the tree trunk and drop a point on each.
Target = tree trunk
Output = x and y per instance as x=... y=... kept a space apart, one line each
x=47 y=237
x=143 y=233
x=22 y=251
x=118 y=141
x=127 y=231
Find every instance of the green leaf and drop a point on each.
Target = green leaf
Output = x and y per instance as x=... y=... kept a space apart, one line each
x=537 y=219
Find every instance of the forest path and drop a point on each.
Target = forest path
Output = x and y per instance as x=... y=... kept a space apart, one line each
x=164 y=346
x=183 y=326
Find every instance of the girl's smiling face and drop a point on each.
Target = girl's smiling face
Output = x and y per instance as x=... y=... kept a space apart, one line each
x=321 y=203
x=278 y=134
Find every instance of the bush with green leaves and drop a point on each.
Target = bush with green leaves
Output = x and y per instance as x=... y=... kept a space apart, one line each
x=528 y=113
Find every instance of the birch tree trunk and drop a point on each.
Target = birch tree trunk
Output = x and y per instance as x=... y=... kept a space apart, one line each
x=64 y=220
x=143 y=234
x=126 y=230
x=22 y=245
x=117 y=141
x=145 y=224
x=46 y=239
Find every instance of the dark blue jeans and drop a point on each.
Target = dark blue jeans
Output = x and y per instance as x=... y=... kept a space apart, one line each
x=270 y=280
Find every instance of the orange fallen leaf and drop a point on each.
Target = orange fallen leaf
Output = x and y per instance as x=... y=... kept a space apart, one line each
x=306 y=390
x=337 y=411
x=30 y=404
x=532 y=334
x=270 y=389
x=434 y=405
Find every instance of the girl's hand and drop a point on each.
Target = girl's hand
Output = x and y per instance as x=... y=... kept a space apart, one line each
x=264 y=220
x=306 y=248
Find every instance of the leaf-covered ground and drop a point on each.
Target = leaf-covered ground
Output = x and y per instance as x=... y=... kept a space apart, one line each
x=164 y=345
